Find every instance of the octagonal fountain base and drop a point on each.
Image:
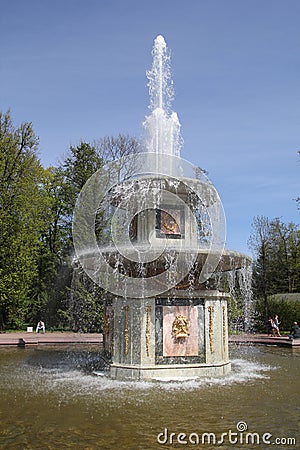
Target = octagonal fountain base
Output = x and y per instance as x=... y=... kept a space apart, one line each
x=179 y=336
x=170 y=374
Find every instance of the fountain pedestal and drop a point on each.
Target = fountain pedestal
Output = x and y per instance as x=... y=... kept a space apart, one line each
x=171 y=338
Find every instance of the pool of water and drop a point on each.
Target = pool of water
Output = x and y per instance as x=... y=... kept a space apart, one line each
x=50 y=399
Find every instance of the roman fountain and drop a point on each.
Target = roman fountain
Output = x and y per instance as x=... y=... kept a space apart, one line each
x=161 y=255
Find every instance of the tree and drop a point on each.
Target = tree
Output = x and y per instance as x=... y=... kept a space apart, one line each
x=112 y=148
x=36 y=211
x=54 y=270
x=21 y=218
x=83 y=309
x=298 y=198
x=80 y=164
x=285 y=257
x=259 y=242
x=276 y=262
x=85 y=303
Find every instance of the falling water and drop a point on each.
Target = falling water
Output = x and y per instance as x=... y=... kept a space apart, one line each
x=245 y=283
x=162 y=126
x=240 y=290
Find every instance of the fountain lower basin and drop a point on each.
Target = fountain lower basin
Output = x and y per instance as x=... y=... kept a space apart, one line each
x=181 y=333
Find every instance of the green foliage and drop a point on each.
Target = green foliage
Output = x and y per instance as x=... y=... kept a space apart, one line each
x=235 y=314
x=37 y=279
x=82 y=310
x=286 y=307
x=21 y=217
x=81 y=163
x=276 y=264
x=277 y=256
x=85 y=304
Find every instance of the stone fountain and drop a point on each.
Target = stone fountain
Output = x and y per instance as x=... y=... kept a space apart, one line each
x=162 y=254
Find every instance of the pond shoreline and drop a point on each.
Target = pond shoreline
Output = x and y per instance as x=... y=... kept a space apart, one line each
x=22 y=339
x=264 y=339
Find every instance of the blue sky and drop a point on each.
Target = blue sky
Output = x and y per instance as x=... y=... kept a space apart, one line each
x=76 y=70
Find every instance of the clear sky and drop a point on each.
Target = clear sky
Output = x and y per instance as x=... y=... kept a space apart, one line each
x=76 y=69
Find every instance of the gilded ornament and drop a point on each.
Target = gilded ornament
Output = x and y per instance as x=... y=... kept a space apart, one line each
x=211 y=330
x=148 y=311
x=126 y=338
x=169 y=222
x=224 y=326
x=180 y=327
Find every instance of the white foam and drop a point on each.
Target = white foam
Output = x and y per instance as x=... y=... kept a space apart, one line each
x=243 y=371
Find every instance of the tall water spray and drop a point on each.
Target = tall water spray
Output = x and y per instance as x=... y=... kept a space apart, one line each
x=162 y=126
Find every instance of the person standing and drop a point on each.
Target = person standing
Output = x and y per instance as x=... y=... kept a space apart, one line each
x=270 y=326
x=40 y=327
x=276 y=324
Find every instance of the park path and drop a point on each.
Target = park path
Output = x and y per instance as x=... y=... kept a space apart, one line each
x=256 y=338
x=22 y=339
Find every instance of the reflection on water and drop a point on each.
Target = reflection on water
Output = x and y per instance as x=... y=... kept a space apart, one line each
x=49 y=399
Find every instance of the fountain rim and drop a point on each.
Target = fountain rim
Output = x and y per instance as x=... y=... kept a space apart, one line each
x=228 y=257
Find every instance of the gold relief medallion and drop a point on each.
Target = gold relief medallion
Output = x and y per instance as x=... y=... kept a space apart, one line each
x=169 y=222
x=180 y=327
